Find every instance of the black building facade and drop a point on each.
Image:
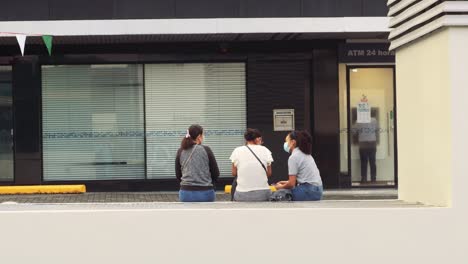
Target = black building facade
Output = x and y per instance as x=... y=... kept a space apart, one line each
x=108 y=110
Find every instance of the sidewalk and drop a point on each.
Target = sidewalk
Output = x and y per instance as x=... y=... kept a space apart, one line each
x=141 y=197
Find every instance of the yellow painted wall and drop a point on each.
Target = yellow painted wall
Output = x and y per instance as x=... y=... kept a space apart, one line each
x=424 y=120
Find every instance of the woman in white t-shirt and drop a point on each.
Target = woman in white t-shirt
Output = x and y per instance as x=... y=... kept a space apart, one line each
x=251 y=164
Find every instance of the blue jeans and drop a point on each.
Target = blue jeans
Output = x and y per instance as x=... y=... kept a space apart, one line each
x=307 y=192
x=197 y=196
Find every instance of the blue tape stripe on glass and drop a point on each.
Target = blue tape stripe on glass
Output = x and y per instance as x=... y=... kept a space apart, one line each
x=213 y=132
x=93 y=134
x=160 y=133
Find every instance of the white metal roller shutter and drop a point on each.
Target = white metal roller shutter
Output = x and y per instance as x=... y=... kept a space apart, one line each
x=178 y=95
x=93 y=124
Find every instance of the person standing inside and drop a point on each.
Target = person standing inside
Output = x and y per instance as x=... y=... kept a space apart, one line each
x=196 y=168
x=251 y=164
x=304 y=176
x=367 y=135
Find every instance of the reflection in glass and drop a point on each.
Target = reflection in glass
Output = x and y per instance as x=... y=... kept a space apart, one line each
x=6 y=125
x=178 y=95
x=93 y=127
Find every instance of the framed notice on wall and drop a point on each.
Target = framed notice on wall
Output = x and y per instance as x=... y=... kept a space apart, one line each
x=283 y=120
x=363 y=112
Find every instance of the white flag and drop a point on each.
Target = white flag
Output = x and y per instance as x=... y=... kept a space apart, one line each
x=21 y=42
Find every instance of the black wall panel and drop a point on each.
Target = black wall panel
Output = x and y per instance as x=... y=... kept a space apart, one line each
x=207 y=8
x=350 y=8
x=340 y=8
x=276 y=8
x=24 y=10
x=82 y=9
x=374 y=8
x=274 y=85
x=320 y=8
x=27 y=120
x=326 y=117
x=146 y=9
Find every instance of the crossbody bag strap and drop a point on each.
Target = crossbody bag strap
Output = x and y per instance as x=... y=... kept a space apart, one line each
x=189 y=158
x=261 y=163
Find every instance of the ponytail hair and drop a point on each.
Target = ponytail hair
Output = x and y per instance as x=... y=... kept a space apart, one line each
x=192 y=133
x=303 y=141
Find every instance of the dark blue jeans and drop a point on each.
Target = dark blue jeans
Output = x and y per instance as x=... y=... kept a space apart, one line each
x=307 y=192
x=197 y=196
x=368 y=154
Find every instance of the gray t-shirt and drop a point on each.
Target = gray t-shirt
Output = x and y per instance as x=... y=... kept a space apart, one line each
x=197 y=169
x=304 y=167
x=367 y=132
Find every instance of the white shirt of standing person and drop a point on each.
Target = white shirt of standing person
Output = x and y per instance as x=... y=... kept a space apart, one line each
x=250 y=174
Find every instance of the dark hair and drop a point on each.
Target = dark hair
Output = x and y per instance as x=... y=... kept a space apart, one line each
x=252 y=134
x=193 y=132
x=303 y=141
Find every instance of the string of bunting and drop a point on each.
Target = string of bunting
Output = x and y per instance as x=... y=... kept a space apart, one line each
x=21 y=38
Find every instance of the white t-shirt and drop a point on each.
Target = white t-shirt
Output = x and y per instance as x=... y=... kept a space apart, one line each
x=250 y=174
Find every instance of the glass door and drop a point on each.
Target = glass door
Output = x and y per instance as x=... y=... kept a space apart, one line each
x=6 y=125
x=371 y=137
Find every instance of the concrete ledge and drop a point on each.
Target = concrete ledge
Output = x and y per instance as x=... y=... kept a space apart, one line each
x=50 y=234
x=229 y=206
x=42 y=189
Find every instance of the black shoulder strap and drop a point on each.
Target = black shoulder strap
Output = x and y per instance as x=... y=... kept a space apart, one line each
x=261 y=163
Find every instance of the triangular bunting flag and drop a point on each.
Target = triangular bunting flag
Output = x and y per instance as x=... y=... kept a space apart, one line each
x=48 y=42
x=21 y=42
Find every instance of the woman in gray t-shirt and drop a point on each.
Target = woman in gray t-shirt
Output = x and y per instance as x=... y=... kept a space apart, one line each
x=304 y=177
x=196 y=168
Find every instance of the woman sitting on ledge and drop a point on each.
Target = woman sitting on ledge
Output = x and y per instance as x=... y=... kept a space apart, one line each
x=251 y=164
x=304 y=176
x=196 y=168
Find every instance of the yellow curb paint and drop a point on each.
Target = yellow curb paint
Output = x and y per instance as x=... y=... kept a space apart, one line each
x=227 y=188
x=43 y=189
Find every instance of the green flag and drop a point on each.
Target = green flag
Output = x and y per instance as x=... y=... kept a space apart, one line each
x=48 y=42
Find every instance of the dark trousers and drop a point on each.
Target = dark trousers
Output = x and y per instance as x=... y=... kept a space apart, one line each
x=368 y=154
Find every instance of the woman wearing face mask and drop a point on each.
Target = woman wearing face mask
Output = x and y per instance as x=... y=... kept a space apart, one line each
x=196 y=168
x=304 y=177
x=251 y=164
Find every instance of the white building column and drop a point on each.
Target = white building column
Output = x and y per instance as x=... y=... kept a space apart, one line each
x=430 y=40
